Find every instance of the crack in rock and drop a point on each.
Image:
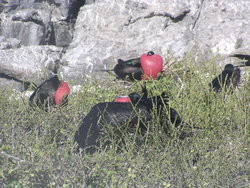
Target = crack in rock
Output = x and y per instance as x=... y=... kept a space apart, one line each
x=198 y=16
x=174 y=19
x=32 y=17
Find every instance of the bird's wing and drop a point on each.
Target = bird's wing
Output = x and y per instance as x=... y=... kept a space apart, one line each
x=88 y=131
x=243 y=57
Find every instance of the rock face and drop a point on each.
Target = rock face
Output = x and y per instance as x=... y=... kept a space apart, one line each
x=222 y=27
x=30 y=63
x=38 y=22
x=106 y=30
x=35 y=24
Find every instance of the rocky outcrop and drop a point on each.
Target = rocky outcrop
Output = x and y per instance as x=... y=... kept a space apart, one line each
x=38 y=22
x=9 y=83
x=35 y=24
x=222 y=27
x=10 y=43
x=105 y=30
x=108 y=30
x=30 y=63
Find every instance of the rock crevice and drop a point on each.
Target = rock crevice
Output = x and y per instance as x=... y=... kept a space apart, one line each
x=198 y=14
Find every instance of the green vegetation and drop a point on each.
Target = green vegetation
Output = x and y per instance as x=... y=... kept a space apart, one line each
x=37 y=148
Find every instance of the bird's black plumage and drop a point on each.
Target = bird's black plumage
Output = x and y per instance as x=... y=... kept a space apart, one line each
x=107 y=114
x=236 y=77
x=228 y=76
x=44 y=95
x=130 y=69
x=116 y=114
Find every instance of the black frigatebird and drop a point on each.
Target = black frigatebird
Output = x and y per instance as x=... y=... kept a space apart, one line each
x=135 y=113
x=146 y=66
x=229 y=75
x=52 y=92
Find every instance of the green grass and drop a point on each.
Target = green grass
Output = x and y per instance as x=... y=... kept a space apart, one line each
x=37 y=148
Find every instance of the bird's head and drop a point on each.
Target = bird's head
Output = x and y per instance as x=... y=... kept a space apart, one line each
x=229 y=67
x=61 y=93
x=134 y=97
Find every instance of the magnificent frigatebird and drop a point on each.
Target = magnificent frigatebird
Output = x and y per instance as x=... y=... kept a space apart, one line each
x=51 y=92
x=135 y=113
x=230 y=75
x=148 y=65
x=130 y=69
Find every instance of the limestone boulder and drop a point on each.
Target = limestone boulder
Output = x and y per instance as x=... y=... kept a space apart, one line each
x=108 y=30
x=39 y=22
x=222 y=27
x=9 y=43
x=30 y=63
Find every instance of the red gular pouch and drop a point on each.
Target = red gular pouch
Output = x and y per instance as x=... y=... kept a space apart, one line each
x=152 y=65
x=122 y=99
x=61 y=93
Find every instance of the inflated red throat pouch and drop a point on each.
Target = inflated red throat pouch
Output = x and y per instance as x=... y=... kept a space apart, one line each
x=62 y=91
x=152 y=64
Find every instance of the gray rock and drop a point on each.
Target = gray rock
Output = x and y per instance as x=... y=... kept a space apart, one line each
x=39 y=22
x=30 y=26
x=63 y=33
x=64 y=5
x=87 y=2
x=30 y=64
x=31 y=23
x=222 y=27
x=108 y=30
x=9 y=43
x=12 y=84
